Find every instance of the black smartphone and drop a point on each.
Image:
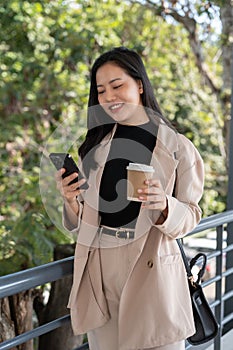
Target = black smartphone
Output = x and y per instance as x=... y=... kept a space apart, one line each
x=65 y=160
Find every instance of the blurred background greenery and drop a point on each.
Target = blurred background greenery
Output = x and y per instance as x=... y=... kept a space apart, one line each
x=47 y=48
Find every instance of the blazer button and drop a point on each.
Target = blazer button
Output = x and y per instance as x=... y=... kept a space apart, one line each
x=150 y=263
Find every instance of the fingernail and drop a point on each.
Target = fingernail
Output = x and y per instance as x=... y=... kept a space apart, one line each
x=139 y=190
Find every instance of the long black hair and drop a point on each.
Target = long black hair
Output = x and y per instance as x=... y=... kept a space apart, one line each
x=99 y=123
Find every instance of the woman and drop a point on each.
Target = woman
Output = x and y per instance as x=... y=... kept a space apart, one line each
x=130 y=288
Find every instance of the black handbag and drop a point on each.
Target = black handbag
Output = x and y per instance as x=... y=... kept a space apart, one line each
x=205 y=321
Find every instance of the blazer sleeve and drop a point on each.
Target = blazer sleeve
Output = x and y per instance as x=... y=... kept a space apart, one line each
x=184 y=212
x=70 y=220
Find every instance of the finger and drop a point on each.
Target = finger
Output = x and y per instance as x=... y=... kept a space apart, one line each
x=72 y=188
x=69 y=192
x=153 y=182
x=151 y=185
x=150 y=191
x=81 y=182
x=75 y=185
x=59 y=173
x=68 y=179
x=64 y=187
x=153 y=199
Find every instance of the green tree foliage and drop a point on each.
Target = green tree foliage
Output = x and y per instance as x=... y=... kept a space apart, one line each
x=46 y=50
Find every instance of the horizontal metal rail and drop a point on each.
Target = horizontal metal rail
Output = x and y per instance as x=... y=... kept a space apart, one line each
x=23 y=338
x=213 y=221
x=31 y=278
x=23 y=280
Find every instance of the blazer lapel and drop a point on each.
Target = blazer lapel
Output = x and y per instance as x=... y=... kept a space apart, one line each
x=163 y=158
x=164 y=162
x=91 y=218
x=103 y=149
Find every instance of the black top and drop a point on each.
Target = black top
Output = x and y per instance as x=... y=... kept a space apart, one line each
x=133 y=144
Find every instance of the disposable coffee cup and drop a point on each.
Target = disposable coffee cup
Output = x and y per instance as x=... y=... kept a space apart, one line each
x=137 y=174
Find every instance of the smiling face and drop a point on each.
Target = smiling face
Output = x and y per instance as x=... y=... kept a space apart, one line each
x=120 y=95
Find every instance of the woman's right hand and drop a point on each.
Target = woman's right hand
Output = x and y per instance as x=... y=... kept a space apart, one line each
x=69 y=192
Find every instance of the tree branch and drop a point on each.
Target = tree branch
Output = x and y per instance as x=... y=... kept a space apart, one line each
x=190 y=25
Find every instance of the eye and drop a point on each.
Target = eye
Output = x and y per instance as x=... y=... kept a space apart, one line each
x=117 y=87
x=100 y=92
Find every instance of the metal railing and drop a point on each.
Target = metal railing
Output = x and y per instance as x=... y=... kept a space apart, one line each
x=31 y=278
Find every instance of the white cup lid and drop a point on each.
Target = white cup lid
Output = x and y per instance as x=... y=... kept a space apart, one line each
x=140 y=167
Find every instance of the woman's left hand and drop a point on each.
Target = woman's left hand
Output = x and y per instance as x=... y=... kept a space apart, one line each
x=153 y=196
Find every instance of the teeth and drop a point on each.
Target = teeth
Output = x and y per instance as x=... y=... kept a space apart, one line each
x=116 y=106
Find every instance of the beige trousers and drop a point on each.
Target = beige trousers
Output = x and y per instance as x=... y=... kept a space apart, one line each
x=117 y=259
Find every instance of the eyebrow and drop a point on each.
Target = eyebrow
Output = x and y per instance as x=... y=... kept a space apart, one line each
x=110 y=82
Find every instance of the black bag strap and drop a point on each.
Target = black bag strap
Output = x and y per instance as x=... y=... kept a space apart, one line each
x=189 y=265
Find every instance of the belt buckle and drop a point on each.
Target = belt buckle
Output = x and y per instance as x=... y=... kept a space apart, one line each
x=119 y=231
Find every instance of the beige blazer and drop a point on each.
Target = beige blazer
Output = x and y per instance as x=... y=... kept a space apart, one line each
x=162 y=310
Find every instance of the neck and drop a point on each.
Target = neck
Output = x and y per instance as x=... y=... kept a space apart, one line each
x=136 y=123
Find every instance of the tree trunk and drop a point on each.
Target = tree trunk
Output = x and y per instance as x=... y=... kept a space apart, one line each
x=61 y=338
x=7 y=328
x=226 y=13
x=16 y=317
x=21 y=310
x=227 y=59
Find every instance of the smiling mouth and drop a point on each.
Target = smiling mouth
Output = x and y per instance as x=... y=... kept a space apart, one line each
x=115 y=107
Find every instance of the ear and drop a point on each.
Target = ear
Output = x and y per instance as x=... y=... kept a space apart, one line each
x=140 y=86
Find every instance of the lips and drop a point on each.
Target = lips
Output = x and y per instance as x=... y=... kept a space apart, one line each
x=115 y=107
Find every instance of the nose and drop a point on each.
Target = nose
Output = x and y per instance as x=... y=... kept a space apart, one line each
x=110 y=95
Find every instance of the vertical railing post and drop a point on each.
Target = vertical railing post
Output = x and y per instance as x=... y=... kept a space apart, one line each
x=218 y=286
x=229 y=258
